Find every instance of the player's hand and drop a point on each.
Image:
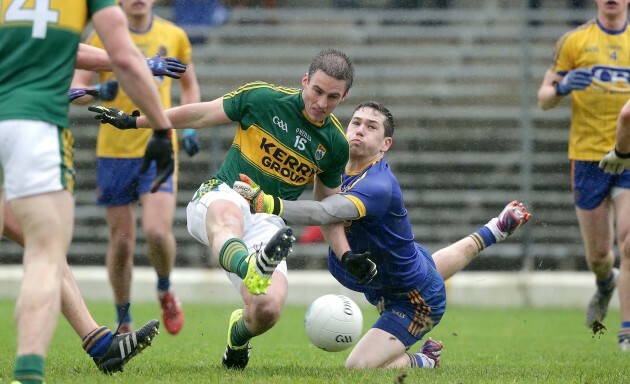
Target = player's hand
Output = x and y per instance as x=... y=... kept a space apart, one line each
x=359 y=266
x=75 y=93
x=115 y=117
x=191 y=142
x=166 y=66
x=615 y=162
x=160 y=150
x=576 y=79
x=259 y=201
x=108 y=90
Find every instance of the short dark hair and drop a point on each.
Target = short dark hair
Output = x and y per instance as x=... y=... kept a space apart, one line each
x=388 y=124
x=335 y=64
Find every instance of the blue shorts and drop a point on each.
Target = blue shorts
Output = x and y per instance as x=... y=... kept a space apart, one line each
x=118 y=181
x=411 y=315
x=591 y=185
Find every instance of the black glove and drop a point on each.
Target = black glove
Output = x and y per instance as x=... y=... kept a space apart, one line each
x=160 y=149
x=359 y=266
x=115 y=117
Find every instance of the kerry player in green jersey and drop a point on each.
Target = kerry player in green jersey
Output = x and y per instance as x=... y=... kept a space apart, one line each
x=38 y=46
x=285 y=139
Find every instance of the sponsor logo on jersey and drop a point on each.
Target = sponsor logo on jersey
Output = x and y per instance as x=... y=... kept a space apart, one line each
x=273 y=157
x=614 y=79
x=320 y=152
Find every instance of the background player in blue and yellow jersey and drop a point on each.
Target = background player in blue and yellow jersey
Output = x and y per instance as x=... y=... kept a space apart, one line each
x=38 y=46
x=119 y=151
x=592 y=64
x=285 y=139
x=396 y=274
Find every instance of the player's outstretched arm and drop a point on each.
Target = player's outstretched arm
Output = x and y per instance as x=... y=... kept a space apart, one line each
x=333 y=209
x=197 y=115
x=94 y=59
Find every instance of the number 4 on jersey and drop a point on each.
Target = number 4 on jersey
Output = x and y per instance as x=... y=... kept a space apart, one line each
x=40 y=16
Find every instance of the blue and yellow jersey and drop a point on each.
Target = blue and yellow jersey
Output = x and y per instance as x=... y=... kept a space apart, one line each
x=162 y=37
x=38 y=49
x=383 y=229
x=277 y=145
x=595 y=110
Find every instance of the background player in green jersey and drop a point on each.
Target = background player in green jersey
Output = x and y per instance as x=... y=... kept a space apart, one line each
x=285 y=139
x=38 y=46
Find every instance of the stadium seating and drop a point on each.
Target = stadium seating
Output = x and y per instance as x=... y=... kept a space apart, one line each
x=469 y=135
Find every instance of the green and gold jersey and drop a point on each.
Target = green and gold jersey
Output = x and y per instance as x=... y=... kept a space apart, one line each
x=38 y=48
x=277 y=145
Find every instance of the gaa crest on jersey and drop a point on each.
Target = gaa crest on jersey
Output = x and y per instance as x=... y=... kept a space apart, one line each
x=320 y=152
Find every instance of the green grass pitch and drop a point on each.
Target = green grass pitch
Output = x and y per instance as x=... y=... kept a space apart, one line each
x=480 y=346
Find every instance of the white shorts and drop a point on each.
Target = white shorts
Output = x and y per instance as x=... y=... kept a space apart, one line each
x=37 y=157
x=258 y=228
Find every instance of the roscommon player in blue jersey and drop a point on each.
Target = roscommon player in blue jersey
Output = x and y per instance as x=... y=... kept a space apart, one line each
x=396 y=274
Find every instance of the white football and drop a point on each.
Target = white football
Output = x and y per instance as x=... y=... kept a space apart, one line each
x=333 y=323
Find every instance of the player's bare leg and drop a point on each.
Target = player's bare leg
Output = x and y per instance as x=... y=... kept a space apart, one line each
x=457 y=256
x=158 y=210
x=262 y=312
x=596 y=227
x=622 y=205
x=12 y=229
x=47 y=220
x=121 y=221
x=377 y=348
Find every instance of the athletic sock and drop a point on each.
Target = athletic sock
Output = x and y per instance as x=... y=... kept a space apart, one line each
x=606 y=285
x=625 y=325
x=420 y=360
x=240 y=335
x=163 y=285
x=123 y=314
x=97 y=341
x=484 y=237
x=29 y=369
x=233 y=257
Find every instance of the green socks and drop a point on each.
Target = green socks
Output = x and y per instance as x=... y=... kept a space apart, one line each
x=240 y=335
x=233 y=257
x=29 y=369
